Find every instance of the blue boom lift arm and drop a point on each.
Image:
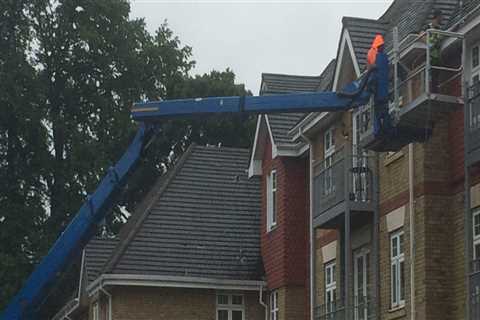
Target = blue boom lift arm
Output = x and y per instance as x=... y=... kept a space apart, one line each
x=26 y=303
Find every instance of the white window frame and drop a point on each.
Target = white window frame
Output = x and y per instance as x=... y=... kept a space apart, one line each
x=272 y=200
x=330 y=286
x=95 y=311
x=274 y=309
x=476 y=237
x=229 y=306
x=397 y=297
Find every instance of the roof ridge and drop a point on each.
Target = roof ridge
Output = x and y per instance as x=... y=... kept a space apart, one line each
x=143 y=210
x=288 y=75
x=213 y=147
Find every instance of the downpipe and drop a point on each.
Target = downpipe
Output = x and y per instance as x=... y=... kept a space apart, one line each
x=262 y=303
x=411 y=208
x=310 y=227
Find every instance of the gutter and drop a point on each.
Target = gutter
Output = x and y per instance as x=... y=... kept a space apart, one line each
x=411 y=208
x=311 y=237
x=171 y=282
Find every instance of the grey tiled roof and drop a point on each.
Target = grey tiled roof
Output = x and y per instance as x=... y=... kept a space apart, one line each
x=461 y=12
x=410 y=16
x=204 y=221
x=281 y=123
x=97 y=253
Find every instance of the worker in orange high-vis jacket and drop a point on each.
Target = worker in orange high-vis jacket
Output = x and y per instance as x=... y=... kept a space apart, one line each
x=378 y=65
x=372 y=53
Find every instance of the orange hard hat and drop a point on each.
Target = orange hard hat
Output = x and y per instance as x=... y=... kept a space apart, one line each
x=378 y=41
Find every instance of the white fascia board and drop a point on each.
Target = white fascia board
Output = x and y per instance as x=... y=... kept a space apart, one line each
x=346 y=41
x=254 y=168
x=274 y=146
x=296 y=151
x=172 y=282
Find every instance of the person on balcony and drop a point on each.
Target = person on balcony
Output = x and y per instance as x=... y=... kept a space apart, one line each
x=378 y=65
x=434 y=41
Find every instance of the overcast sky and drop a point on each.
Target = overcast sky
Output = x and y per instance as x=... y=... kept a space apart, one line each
x=251 y=37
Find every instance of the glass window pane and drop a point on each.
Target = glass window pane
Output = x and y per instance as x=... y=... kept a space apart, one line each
x=222 y=299
x=238 y=300
x=476 y=223
x=222 y=314
x=475 y=57
x=400 y=247
x=394 y=246
x=394 y=284
x=237 y=315
x=477 y=251
x=402 y=281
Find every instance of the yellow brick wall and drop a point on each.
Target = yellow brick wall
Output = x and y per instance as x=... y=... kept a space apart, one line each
x=147 y=303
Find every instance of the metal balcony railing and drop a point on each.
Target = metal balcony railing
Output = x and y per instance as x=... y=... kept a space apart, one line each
x=473 y=110
x=474 y=296
x=334 y=310
x=344 y=176
x=363 y=309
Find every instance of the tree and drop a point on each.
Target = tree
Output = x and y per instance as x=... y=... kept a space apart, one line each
x=22 y=147
x=69 y=73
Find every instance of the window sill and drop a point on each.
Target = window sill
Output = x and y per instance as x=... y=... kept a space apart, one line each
x=396 y=312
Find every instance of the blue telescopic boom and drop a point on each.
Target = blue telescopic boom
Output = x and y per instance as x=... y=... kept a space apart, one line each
x=26 y=303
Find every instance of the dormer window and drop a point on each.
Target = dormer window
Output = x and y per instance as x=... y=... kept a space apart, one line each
x=272 y=200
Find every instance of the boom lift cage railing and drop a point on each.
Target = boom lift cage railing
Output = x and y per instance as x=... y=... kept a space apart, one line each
x=412 y=55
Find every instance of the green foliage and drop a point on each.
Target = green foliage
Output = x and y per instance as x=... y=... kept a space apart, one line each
x=69 y=73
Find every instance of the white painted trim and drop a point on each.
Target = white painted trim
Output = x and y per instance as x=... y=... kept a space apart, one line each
x=352 y=55
x=274 y=146
x=309 y=124
x=255 y=168
x=345 y=40
x=252 y=169
x=298 y=150
x=171 y=282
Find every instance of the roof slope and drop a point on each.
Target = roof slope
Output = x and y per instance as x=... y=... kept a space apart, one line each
x=281 y=123
x=466 y=9
x=97 y=252
x=204 y=222
x=410 y=16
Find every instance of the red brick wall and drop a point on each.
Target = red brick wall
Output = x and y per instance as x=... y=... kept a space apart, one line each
x=285 y=249
x=456 y=145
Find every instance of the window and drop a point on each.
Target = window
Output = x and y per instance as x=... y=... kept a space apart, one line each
x=230 y=307
x=96 y=311
x=328 y=150
x=476 y=234
x=397 y=272
x=274 y=305
x=272 y=200
x=330 y=287
x=475 y=57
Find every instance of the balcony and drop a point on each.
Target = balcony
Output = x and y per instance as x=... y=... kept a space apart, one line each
x=473 y=127
x=363 y=309
x=343 y=179
x=421 y=95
